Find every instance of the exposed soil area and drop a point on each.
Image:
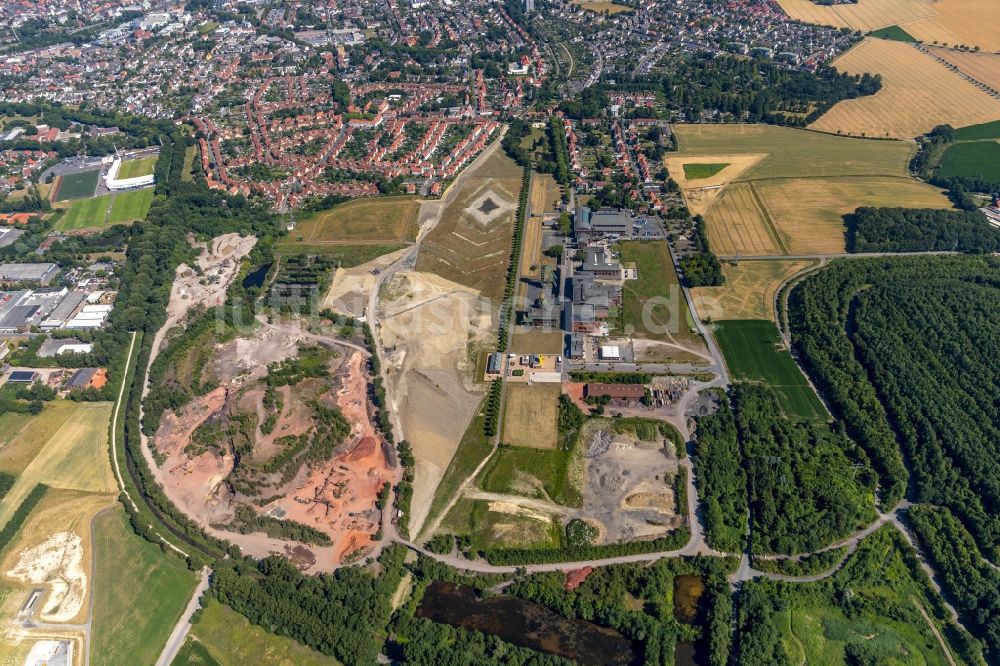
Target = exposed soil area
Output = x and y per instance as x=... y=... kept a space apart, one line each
x=629 y=487
x=429 y=325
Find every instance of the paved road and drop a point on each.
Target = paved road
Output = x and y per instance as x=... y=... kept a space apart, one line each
x=183 y=625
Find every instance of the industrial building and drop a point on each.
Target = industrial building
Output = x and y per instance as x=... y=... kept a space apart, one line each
x=589 y=224
x=42 y=273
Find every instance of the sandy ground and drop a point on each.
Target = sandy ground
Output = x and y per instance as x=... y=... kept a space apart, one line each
x=427 y=327
x=350 y=287
x=701 y=192
x=58 y=563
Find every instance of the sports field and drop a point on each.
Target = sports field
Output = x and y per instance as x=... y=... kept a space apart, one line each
x=471 y=244
x=975 y=158
x=139 y=593
x=130 y=206
x=381 y=220
x=749 y=289
x=917 y=94
x=654 y=307
x=790 y=193
x=701 y=170
x=135 y=168
x=66 y=446
x=531 y=414
x=753 y=352
x=76 y=185
x=85 y=214
x=231 y=640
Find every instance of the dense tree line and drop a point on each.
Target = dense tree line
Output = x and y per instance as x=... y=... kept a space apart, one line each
x=970 y=582
x=343 y=614
x=751 y=89
x=515 y=556
x=701 y=268
x=247 y=521
x=905 y=350
x=920 y=230
x=805 y=484
x=20 y=514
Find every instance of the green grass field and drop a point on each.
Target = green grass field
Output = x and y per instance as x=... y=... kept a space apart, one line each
x=347 y=255
x=85 y=214
x=382 y=220
x=977 y=158
x=130 y=206
x=697 y=170
x=796 y=153
x=502 y=528
x=517 y=470
x=139 y=593
x=893 y=32
x=136 y=168
x=189 y=155
x=654 y=307
x=230 y=640
x=977 y=132
x=752 y=352
x=888 y=625
x=77 y=185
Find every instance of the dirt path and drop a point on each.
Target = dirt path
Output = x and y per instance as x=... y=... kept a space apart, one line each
x=183 y=626
x=937 y=634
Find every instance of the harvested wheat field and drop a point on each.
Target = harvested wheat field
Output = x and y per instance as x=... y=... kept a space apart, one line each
x=545 y=194
x=738 y=224
x=531 y=249
x=917 y=94
x=959 y=22
x=866 y=15
x=809 y=213
x=701 y=192
x=531 y=415
x=983 y=67
x=749 y=289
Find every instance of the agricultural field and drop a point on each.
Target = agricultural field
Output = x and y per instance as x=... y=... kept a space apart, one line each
x=977 y=132
x=984 y=67
x=753 y=352
x=702 y=170
x=139 y=593
x=66 y=446
x=381 y=220
x=790 y=191
x=974 y=158
x=893 y=32
x=76 y=185
x=897 y=618
x=658 y=293
x=85 y=214
x=917 y=94
x=531 y=414
x=548 y=474
x=531 y=249
x=749 y=289
x=231 y=640
x=545 y=193
x=531 y=341
x=471 y=243
x=601 y=7
x=136 y=168
x=130 y=206
x=495 y=524
x=948 y=22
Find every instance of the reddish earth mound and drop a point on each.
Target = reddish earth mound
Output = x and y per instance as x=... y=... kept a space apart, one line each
x=576 y=577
